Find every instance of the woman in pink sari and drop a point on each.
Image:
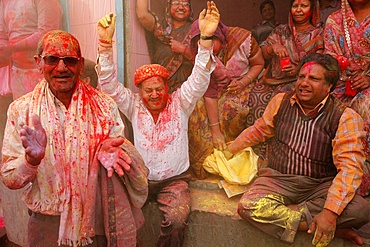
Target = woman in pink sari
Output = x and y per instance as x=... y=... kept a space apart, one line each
x=347 y=34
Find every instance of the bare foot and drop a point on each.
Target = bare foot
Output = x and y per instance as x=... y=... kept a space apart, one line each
x=303 y=226
x=349 y=234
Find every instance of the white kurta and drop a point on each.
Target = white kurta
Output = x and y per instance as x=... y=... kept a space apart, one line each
x=163 y=145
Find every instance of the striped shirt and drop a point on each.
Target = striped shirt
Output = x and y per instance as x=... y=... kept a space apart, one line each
x=347 y=148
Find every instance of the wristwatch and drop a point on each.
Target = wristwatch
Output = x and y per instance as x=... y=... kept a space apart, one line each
x=203 y=37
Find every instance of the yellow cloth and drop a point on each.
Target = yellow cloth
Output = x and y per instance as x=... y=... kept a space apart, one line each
x=239 y=169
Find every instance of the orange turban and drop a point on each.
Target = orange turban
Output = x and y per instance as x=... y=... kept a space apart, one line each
x=148 y=71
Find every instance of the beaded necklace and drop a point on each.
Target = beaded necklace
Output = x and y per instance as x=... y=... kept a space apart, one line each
x=345 y=25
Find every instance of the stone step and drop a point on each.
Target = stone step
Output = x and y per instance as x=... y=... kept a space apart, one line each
x=214 y=222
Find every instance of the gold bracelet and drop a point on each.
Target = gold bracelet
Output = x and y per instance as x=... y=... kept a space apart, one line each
x=267 y=50
x=105 y=44
x=250 y=78
x=242 y=82
x=106 y=41
x=214 y=124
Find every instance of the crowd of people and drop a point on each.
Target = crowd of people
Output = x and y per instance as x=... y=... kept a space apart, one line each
x=298 y=93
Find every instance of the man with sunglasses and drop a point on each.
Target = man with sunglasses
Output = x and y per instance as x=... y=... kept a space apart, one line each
x=64 y=142
x=160 y=121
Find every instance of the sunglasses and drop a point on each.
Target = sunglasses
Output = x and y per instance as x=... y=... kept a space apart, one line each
x=177 y=3
x=53 y=60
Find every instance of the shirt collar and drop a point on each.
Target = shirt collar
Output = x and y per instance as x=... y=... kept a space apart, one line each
x=270 y=23
x=334 y=4
x=294 y=100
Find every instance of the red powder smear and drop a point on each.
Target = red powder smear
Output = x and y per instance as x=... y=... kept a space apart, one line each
x=308 y=14
x=12 y=122
x=308 y=66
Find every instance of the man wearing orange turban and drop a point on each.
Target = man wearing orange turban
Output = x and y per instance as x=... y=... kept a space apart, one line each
x=160 y=120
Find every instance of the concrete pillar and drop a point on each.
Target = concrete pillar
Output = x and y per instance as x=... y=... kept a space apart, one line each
x=15 y=215
x=14 y=210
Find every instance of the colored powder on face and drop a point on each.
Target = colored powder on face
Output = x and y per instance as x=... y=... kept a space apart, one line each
x=308 y=66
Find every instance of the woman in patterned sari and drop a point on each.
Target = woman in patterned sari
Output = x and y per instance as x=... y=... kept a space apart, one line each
x=220 y=115
x=347 y=33
x=168 y=39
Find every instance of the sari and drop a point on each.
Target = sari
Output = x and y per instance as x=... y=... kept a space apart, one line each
x=356 y=47
x=297 y=43
x=232 y=63
x=160 y=51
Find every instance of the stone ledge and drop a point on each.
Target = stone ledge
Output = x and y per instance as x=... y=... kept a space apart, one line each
x=214 y=222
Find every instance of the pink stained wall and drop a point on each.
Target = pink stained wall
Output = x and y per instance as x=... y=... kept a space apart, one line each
x=83 y=16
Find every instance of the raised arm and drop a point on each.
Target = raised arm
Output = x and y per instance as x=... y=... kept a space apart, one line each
x=208 y=22
x=145 y=17
x=107 y=76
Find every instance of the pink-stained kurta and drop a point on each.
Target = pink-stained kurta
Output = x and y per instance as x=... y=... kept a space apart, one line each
x=66 y=182
x=163 y=145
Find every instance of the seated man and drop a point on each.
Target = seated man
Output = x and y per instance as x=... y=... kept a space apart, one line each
x=315 y=160
x=64 y=142
x=160 y=120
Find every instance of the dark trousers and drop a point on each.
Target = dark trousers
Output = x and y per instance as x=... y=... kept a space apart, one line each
x=173 y=198
x=264 y=204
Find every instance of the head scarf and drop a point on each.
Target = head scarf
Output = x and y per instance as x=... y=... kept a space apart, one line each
x=168 y=17
x=148 y=71
x=315 y=15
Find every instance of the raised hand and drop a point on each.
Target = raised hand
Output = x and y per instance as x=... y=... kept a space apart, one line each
x=106 y=26
x=34 y=141
x=209 y=19
x=113 y=158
